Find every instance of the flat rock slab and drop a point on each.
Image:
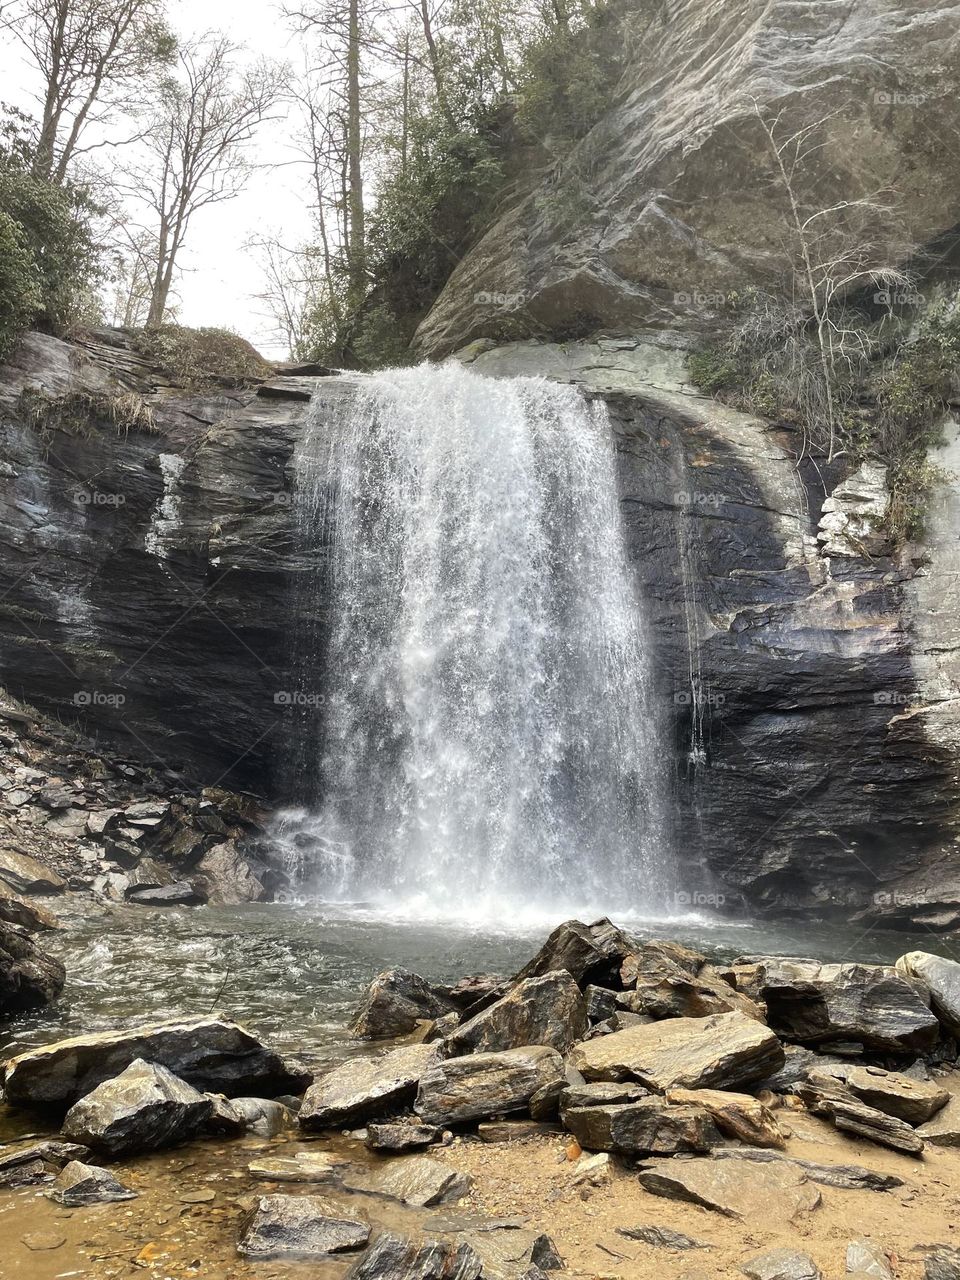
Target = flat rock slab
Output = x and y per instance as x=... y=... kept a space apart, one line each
x=721 y=1051
x=25 y=874
x=299 y=1227
x=80 y=1184
x=648 y=1127
x=737 y=1189
x=485 y=1084
x=208 y=1053
x=366 y=1087
x=914 y=1101
x=142 y=1109
x=415 y=1180
x=737 y=1115
x=546 y=1010
x=392 y=1258
x=829 y=1096
x=781 y=1264
x=305 y=1166
x=944 y=1129
x=400 y=1135
x=848 y=1177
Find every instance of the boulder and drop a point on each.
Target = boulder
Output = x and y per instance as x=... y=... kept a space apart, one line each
x=590 y=953
x=722 y=1051
x=944 y=1129
x=512 y=1253
x=826 y=1095
x=549 y=1010
x=391 y=1258
x=28 y=915
x=415 y=1180
x=299 y=1227
x=867 y=1258
x=25 y=874
x=485 y=1084
x=209 y=1053
x=650 y=1126
x=735 y=1188
x=938 y=981
x=29 y=977
x=798 y=1062
x=226 y=877
x=914 y=1101
x=80 y=1184
x=263 y=1117
x=814 y=1003
x=395 y=1002
x=400 y=1135
x=365 y=1087
x=669 y=981
x=599 y=1094
x=737 y=1115
x=781 y=1264
x=142 y=1109
x=224 y=1118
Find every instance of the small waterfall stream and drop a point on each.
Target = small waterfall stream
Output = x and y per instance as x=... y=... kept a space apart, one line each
x=488 y=737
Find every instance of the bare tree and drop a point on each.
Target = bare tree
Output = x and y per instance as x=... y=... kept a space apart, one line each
x=834 y=250
x=294 y=286
x=198 y=148
x=94 y=57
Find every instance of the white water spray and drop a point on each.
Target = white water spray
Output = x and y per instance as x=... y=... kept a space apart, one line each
x=488 y=735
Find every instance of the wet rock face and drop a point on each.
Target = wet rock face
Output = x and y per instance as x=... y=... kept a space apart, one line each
x=81 y=1184
x=28 y=976
x=365 y=1087
x=684 y=208
x=300 y=1227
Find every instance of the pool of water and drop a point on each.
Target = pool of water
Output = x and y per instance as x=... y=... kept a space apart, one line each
x=294 y=973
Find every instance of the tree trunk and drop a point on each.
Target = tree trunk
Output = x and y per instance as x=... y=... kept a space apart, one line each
x=356 y=263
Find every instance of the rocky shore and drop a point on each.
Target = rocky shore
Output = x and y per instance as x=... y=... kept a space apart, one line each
x=745 y=1115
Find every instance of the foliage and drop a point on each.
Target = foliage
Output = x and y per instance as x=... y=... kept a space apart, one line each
x=57 y=246
x=202 y=358
x=20 y=295
x=81 y=413
x=381 y=341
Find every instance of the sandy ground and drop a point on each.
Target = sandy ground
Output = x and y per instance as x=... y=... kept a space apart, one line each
x=192 y=1200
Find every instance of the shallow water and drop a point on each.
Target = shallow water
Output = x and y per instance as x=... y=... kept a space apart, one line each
x=294 y=974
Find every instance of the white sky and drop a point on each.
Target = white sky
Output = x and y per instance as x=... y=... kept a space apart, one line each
x=219 y=279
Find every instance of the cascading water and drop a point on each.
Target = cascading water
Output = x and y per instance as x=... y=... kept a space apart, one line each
x=488 y=740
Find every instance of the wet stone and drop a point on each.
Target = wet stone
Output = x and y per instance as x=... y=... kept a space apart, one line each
x=82 y=1184
x=400 y=1135
x=299 y=1227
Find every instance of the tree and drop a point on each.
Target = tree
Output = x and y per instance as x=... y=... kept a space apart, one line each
x=94 y=57
x=198 y=147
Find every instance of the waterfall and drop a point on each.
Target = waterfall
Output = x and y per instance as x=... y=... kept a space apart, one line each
x=488 y=734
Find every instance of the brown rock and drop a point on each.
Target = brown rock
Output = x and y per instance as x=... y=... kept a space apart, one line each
x=650 y=1126
x=485 y=1084
x=735 y=1188
x=738 y=1115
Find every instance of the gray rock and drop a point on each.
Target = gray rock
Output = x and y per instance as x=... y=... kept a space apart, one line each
x=600 y=1002
x=395 y=1002
x=938 y=980
x=263 y=1117
x=26 y=874
x=737 y=1115
x=485 y=1084
x=821 y=1003
x=944 y=1129
x=828 y=1096
x=180 y=894
x=547 y=1010
x=28 y=915
x=209 y=1053
x=661 y=1237
x=867 y=1258
x=299 y=1227
x=515 y=1253
x=80 y=1184
x=896 y=1094
x=600 y=1093
x=38 y=1162
x=365 y=1087
x=590 y=953
x=722 y=1051
x=224 y=1118
x=400 y=1135
x=941 y=1263
x=848 y=1177
x=29 y=977
x=226 y=877
x=391 y=1258
x=735 y=1188
x=650 y=1126
x=781 y=1264
x=798 y=1063
x=414 y=1180
x=143 y=1108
